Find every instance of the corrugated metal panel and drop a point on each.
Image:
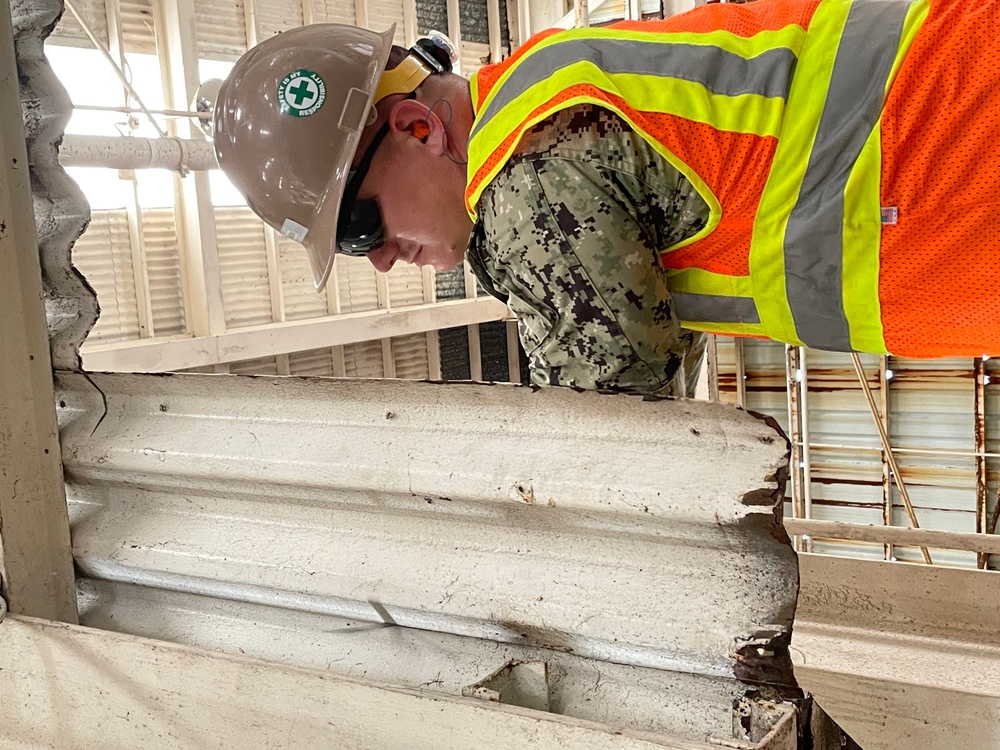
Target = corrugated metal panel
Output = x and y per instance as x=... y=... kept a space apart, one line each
x=221 y=29
x=443 y=508
x=356 y=279
x=243 y=263
x=622 y=697
x=164 y=268
x=364 y=360
x=474 y=56
x=69 y=32
x=930 y=411
x=315 y=363
x=334 y=11
x=383 y=13
x=275 y=16
x=406 y=286
x=137 y=26
x=616 y=10
x=409 y=354
x=104 y=255
x=298 y=290
x=264 y=366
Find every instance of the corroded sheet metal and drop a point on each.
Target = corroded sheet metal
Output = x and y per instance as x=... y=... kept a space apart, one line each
x=635 y=532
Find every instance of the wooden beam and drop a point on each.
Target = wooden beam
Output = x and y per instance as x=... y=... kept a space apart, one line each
x=894 y=535
x=252 y=342
x=36 y=566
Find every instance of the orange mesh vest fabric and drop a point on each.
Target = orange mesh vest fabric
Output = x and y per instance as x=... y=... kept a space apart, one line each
x=939 y=279
x=734 y=166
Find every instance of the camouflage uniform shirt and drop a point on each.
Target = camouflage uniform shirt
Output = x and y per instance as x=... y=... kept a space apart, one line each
x=569 y=236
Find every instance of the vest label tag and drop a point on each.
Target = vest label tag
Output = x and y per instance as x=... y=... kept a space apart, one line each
x=890 y=214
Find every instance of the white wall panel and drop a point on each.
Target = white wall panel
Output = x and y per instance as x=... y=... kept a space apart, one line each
x=409 y=354
x=163 y=262
x=297 y=287
x=137 y=26
x=334 y=11
x=69 y=32
x=930 y=410
x=103 y=254
x=315 y=363
x=243 y=262
x=275 y=16
x=221 y=29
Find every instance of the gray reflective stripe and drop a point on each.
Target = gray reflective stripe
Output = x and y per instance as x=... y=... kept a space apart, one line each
x=714 y=308
x=768 y=74
x=814 y=241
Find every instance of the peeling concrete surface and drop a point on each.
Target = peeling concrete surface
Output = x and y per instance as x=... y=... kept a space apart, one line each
x=61 y=210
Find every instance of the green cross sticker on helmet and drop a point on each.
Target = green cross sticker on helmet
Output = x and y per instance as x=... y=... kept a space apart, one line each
x=301 y=93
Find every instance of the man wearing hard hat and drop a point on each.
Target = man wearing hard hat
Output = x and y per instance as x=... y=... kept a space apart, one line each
x=818 y=172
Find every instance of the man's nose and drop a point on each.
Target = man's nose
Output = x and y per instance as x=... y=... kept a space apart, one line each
x=384 y=257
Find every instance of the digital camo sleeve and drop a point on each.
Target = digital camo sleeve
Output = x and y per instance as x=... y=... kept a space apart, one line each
x=566 y=242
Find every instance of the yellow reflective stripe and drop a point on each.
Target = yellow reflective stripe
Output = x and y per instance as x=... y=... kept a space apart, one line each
x=805 y=99
x=862 y=217
x=734 y=329
x=862 y=235
x=474 y=87
x=791 y=37
x=748 y=113
x=700 y=281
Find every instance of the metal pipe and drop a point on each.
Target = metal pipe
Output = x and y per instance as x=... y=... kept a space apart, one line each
x=581 y=14
x=887 y=447
x=804 y=428
x=128 y=152
x=133 y=110
x=937 y=452
x=979 y=369
x=741 y=374
x=887 y=520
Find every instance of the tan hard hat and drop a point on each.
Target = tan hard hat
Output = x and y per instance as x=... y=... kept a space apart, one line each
x=287 y=125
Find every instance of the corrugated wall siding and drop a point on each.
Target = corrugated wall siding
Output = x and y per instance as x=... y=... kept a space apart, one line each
x=931 y=420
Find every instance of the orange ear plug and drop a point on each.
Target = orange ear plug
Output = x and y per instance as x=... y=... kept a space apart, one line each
x=421 y=130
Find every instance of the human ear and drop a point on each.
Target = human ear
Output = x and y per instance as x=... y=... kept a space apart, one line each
x=410 y=120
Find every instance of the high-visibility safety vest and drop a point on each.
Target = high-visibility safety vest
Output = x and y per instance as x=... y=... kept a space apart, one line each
x=804 y=124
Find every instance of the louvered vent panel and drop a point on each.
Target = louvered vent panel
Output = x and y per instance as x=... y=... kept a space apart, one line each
x=409 y=354
x=301 y=298
x=104 y=255
x=221 y=29
x=70 y=33
x=164 y=269
x=263 y=366
x=356 y=281
x=364 y=360
x=274 y=16
x=474 y=56
x=406 y=286
x=243 y=263
x=315 y=363
x=334 y=11
x=383 y=13
x=137 y=26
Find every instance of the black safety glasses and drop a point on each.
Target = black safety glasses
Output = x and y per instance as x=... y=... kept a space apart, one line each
x=359 y=225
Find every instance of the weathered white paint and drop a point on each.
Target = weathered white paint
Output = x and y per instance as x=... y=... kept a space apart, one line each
x=36 y=571
x=574 y=521
x=71 y=687
x=896 y=535
x=253 y=342
x=901 y=655
x=621 y=696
